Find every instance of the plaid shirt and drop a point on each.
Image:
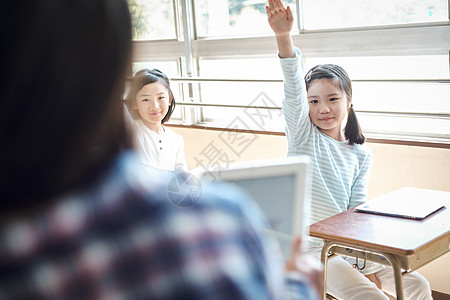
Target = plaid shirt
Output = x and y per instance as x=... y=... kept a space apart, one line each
x=122 y=238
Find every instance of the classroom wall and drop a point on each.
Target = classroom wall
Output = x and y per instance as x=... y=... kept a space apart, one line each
x=394 y=166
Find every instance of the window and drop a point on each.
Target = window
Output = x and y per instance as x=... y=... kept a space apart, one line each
x=233 y=17
x=396 y=52
x=326 y=14
x=152 y=19
x=246 y=90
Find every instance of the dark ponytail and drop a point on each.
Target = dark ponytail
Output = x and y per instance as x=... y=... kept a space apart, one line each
x=352 y=131
x=336 y=73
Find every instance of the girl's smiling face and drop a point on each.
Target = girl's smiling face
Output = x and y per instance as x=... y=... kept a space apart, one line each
x=152 y=103
x=328 y=107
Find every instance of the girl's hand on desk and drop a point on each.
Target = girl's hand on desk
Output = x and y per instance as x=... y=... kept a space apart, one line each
x=306 y=266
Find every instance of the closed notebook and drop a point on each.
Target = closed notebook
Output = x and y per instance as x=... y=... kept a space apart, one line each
x=407 y=202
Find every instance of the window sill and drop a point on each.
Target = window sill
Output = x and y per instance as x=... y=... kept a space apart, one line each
x=380 y=138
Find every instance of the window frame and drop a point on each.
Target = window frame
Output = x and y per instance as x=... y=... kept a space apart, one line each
x=405 y=39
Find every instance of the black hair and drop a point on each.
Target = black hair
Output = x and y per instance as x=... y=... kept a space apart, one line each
x=141 y=79
x=64 y=65
x=337 y=74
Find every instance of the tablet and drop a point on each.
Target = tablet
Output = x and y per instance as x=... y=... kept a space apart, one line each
x=281 y=187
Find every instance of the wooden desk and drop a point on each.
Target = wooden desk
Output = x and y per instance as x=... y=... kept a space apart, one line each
x=403 y=243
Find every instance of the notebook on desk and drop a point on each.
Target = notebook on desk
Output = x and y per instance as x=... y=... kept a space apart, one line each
x=409 y=203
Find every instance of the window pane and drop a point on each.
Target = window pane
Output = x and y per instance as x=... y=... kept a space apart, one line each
x=261 y=94
x=389 y=67
x=405 y=128
x=152 y=19
x=241 y=93
x=321 y=14
x=402 y=97
x=170 y=68
x=419 y=97
x=251 y=68
x=234 y=17
x=396 y=96
x=245 y=118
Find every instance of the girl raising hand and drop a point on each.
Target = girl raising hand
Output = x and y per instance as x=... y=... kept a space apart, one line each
x=321 y=123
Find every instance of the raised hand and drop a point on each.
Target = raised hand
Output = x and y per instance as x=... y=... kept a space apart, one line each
x=280 y=18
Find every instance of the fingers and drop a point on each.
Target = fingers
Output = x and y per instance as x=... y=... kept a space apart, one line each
x=274 y=6
x=296 y=246
x=290 y=16
x=313 y=270
x=278 y=5
x=268 y=11
x=306 y=266
x=271 y=8
x=291 y=263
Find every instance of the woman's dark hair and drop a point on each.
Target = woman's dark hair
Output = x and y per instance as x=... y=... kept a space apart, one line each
x=63 y=69
x=337 y=74
x=141 y=79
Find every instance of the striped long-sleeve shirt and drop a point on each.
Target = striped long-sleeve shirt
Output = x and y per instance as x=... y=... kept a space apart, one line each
x=340 y=171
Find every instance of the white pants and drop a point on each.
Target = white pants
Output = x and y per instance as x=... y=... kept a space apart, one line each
x=344 y=282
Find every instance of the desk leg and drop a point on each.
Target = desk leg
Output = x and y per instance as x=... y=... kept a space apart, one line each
x=397 y=275
x=324 y=256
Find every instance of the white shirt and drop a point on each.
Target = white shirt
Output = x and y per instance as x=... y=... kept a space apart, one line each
x=163 y=151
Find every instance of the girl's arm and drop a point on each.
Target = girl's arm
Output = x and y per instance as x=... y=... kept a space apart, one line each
x=359 y=193
x=295 y=106
x=281 y=20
